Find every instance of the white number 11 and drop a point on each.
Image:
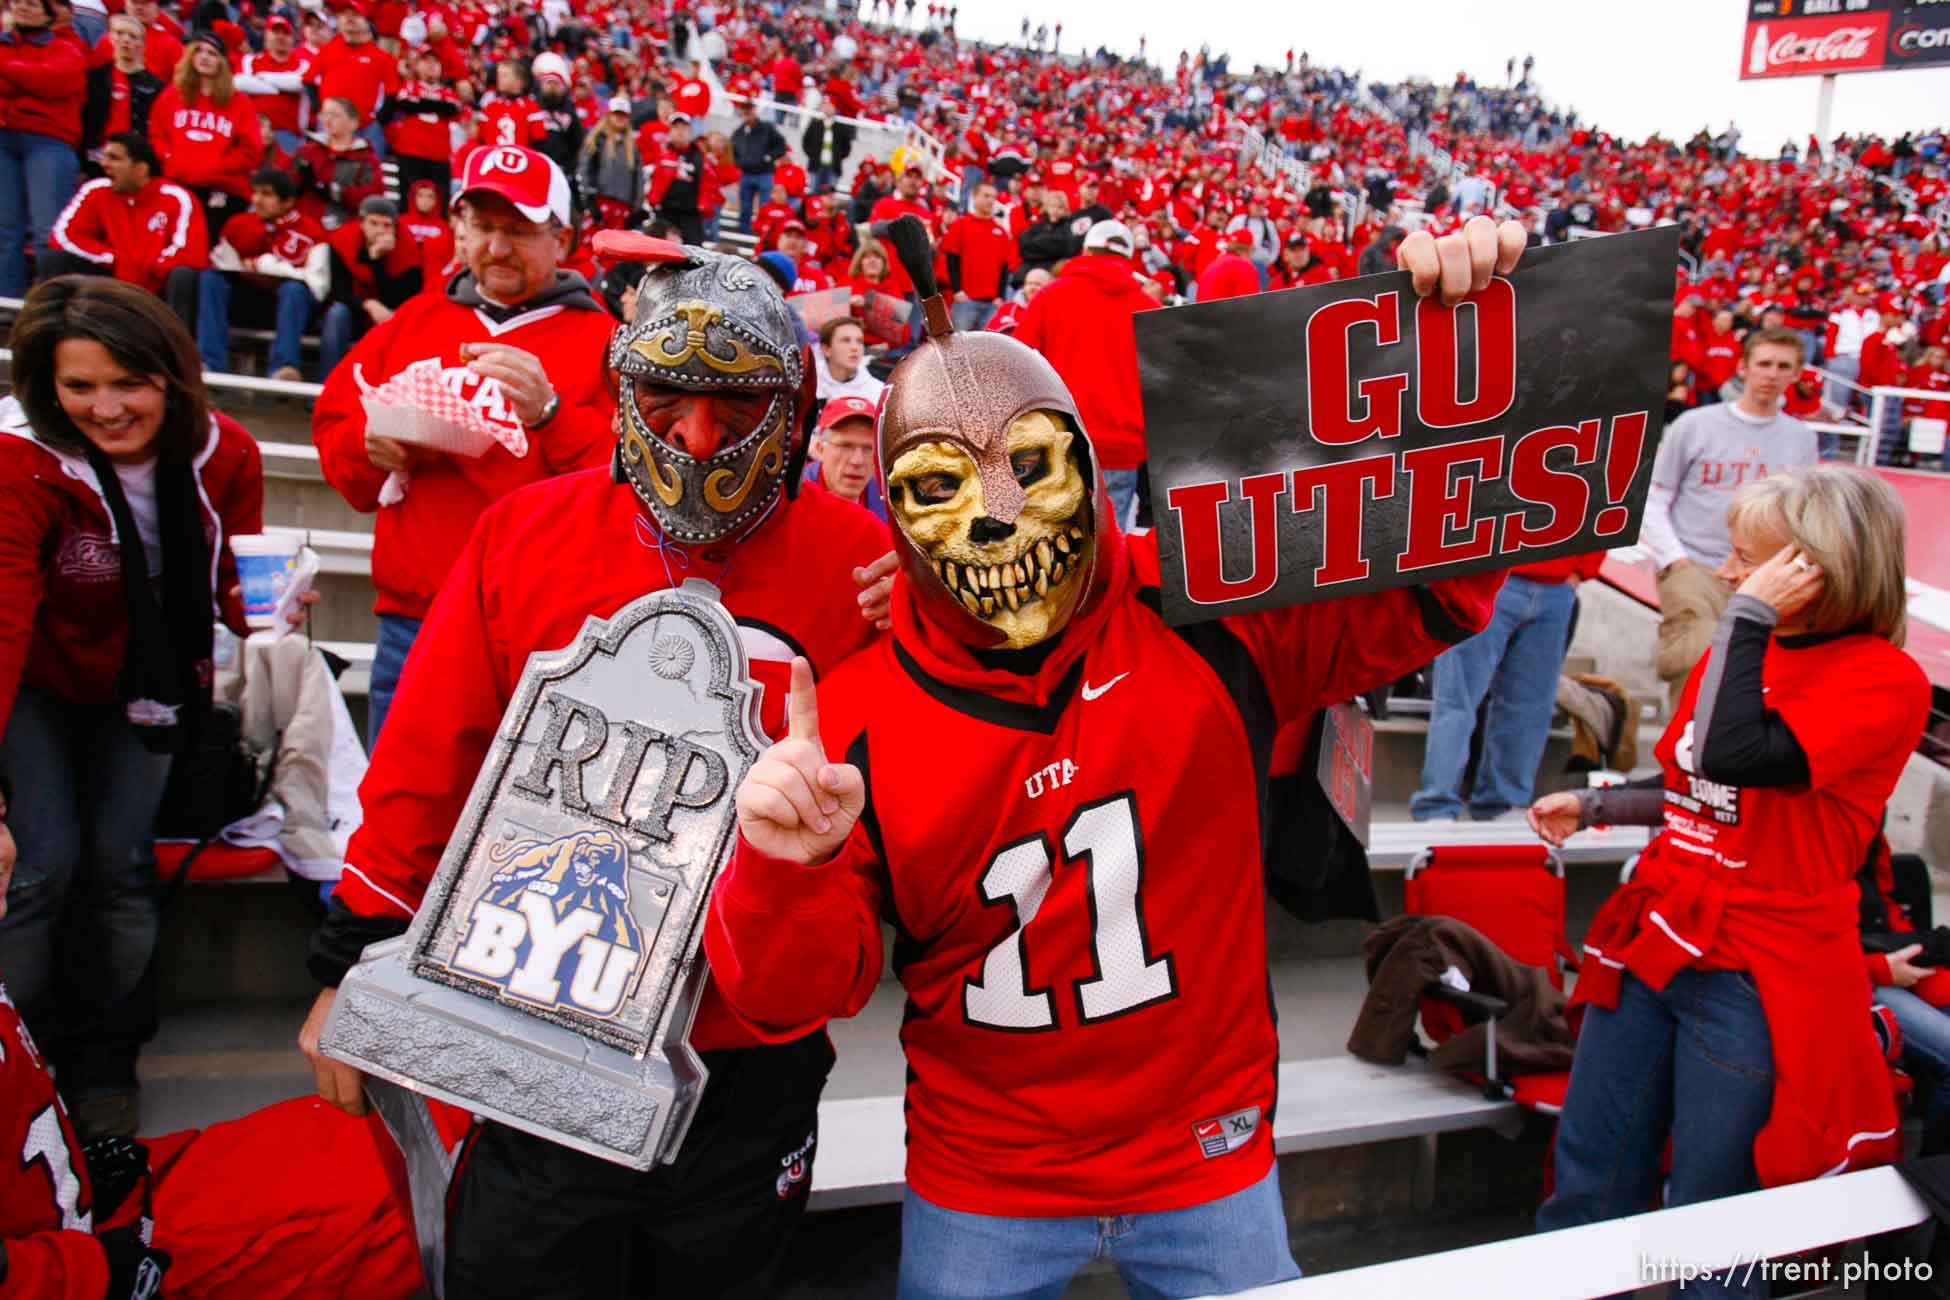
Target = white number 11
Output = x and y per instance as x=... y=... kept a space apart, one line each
x=1105 y=837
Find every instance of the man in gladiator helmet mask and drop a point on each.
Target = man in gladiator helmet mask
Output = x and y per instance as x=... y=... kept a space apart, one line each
x=1057 y=801
x=712 y=392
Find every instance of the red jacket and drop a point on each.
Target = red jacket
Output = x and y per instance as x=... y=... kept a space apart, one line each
x=63 y=623
x=207 y=145
x=337 y=179
x=43 y=80
x=1081 y=321
x=539 y=563
x=415 y=542
x=1228 y=276
x=142 y=236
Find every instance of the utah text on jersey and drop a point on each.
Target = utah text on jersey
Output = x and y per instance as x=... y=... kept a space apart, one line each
x=553 y=927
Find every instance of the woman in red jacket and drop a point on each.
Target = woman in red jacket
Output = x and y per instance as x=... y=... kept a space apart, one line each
x=206 y=131
x=118 y=493
x=1724 y=990
x=42 y=83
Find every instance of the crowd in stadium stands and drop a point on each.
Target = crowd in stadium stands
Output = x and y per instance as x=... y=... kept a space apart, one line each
x=296 y=169
x=1844 y=242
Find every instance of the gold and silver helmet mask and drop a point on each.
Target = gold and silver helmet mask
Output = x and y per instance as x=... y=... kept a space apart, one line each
x=707 y=324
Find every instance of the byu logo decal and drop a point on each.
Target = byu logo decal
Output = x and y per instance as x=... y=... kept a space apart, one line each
x=553 y=925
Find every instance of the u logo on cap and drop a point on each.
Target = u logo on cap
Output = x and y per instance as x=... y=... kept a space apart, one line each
x=505 y=159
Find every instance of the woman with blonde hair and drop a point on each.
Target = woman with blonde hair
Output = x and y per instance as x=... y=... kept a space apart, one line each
x=611 y=168
x=205 y=131
x=1724 y=993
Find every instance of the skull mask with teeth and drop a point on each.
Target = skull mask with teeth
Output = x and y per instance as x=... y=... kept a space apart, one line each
x=991 y=483
x=990 y=478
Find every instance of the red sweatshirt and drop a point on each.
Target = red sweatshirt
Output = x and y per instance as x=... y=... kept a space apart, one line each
x=364 y=74
x=416 y=541
x=142 y=236
x=983 y=253
x=1228 y=276
x=207 y=145
x=540 y=562
x=43 y=80
x=1081 y=321
x=63 y=620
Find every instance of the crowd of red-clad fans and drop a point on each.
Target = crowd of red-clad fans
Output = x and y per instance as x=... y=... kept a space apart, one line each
x=230 y=157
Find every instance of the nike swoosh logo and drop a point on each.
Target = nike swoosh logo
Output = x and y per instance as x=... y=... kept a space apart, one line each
x=1092 y=692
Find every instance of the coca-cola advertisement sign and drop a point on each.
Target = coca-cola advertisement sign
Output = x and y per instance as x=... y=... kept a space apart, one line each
x=1804 y=47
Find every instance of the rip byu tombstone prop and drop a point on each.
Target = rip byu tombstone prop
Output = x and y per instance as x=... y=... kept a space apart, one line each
x=550 y=976
x=1344 y=437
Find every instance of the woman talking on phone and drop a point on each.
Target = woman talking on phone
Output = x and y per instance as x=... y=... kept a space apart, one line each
x=1725 y=999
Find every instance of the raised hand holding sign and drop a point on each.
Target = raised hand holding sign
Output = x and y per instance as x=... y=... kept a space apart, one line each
x=1355 y=436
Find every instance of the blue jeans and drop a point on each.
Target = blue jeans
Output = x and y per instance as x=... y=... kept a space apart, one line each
x=1514 y=662
x=38 y=175
x=377 y=134
x=334 y=338
x=396 y=636
x=971 y=176
x=973 y=314
x=754 y=190
x=823 y=179
x=292 y=313
x=80 y=929
x=1694 y=1059
x=1926 y=1055
x=292 y=141
x=1230 y=1244
x=1121 y=485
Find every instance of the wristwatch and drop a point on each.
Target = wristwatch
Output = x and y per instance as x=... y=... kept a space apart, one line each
x=548 y=411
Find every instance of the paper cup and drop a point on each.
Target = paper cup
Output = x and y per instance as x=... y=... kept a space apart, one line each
x=264 y=564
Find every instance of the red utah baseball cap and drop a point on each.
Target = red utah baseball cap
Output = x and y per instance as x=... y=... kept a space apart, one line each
x=846 y=408
x=529 y=180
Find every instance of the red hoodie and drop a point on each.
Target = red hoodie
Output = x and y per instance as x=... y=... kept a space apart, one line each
x=1081 y=321
x=43 y=80
x=540 y=563
x=415 y=542
x=207 y=145
x=141 y=236
x=63 y=618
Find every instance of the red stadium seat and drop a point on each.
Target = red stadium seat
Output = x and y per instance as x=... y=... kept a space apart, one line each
x=218 y=862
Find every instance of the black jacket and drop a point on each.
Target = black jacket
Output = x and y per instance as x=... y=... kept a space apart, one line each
x=756 y=147
x=814 y=142
x=1045 y=243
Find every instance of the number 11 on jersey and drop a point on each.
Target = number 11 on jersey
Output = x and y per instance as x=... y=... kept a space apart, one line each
x=1103 y=838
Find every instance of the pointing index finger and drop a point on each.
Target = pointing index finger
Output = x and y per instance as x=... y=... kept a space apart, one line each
x=802 y=704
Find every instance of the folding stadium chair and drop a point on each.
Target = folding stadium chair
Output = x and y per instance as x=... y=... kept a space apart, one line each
x=1513 y=895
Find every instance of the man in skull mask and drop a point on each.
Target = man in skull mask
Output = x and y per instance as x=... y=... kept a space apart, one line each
x=713 y=394
x=1058 y=801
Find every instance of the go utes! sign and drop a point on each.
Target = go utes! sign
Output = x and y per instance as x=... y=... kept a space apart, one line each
x=1809 y=46
x=1348 y=437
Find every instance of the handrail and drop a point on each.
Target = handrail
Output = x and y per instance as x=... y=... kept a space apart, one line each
x=221 y=378
x=1741 y=1233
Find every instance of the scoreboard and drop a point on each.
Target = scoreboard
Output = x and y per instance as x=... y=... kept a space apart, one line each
x=1803 y=38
